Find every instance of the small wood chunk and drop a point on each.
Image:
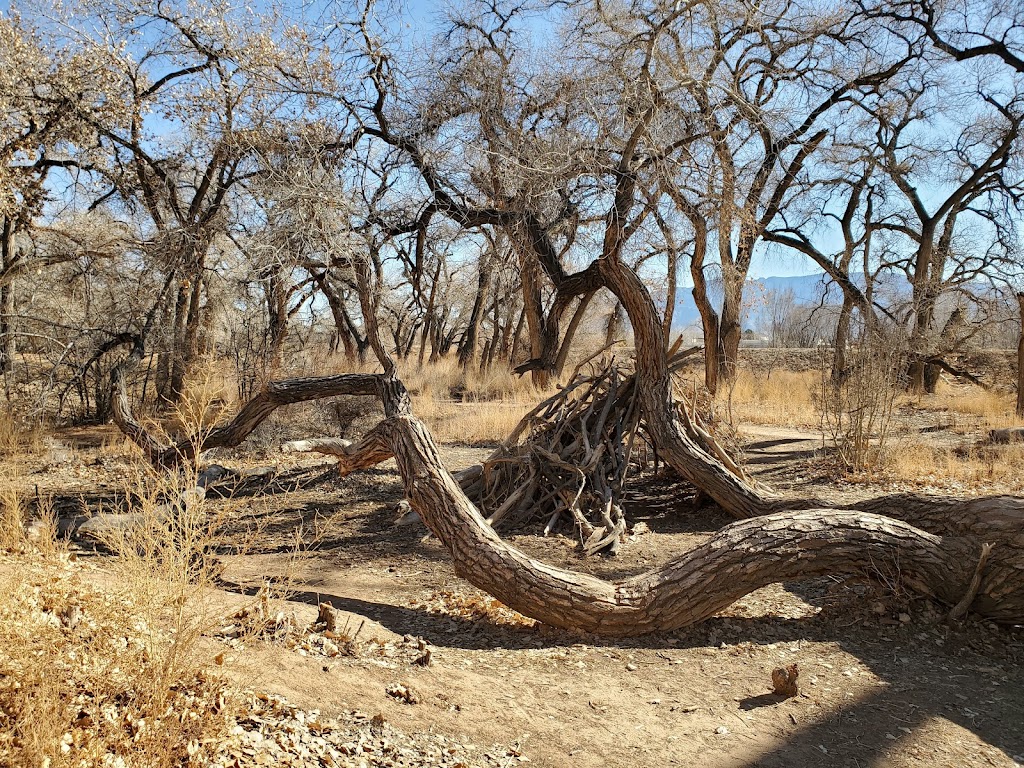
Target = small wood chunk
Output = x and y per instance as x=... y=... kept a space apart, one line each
x=784 y=680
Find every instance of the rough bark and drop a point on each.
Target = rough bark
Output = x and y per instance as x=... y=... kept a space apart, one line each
x=744 y=556
x=274 y=395
x=737 y=497
x=1020 y=356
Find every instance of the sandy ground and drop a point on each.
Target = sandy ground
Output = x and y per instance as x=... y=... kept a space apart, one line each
x=885 y=681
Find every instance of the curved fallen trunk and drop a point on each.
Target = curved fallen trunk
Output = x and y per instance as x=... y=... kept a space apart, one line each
x=742 y=557
x=274 y=395
x=738 y=496
x=738 y=559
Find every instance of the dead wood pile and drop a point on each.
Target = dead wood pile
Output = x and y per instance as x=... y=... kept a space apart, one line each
x=567 y=461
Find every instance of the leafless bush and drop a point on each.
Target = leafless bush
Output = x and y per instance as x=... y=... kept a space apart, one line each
x=856 y=406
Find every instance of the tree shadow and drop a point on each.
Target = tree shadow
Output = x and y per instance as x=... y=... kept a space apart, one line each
x=763 y=700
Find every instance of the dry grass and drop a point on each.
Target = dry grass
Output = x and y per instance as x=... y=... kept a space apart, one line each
x=471 y=423
x=18 y=437
x=110 y=669
x=459 y=406
x=781 y=398
x=87 y=677
x=948 y=460
x=991 y=409
x=939 y=467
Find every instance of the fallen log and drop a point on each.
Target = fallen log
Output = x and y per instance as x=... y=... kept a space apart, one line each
x=740 y=558
x=784 y=545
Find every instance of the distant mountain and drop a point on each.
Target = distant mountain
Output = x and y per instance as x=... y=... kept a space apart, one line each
x=807 y=290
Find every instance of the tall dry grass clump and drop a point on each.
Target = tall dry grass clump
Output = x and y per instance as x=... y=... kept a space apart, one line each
x=778 y=398
x=109 y=667
x=18 y=436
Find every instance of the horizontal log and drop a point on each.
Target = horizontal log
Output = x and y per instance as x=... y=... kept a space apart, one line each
x=274 y=395
x=740 y=558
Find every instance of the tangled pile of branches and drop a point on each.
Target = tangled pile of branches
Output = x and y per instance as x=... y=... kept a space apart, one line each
x=568 y=459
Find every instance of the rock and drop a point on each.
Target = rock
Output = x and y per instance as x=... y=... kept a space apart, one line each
x=403 y=693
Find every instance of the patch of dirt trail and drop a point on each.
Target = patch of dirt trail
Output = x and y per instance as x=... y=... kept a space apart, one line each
x=883 y=679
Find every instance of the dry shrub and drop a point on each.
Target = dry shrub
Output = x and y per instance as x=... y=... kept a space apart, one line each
x=12 y=515
x=108 y=668
x=87 y=679
x=857 y=410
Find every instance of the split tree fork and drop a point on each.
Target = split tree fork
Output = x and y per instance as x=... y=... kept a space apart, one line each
x=967 y=555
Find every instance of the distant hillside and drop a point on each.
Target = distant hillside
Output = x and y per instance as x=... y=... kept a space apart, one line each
x=808 y=290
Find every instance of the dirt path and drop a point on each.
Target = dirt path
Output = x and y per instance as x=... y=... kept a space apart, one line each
x=884 y=680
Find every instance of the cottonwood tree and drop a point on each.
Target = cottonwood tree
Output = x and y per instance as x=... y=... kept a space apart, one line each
x=843 y=198
x=939 y=547
x=48 y=98
x=747 y=71
x=963 y=30
x=201 y=94
x=979 y=183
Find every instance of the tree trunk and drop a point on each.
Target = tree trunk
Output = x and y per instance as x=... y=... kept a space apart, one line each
x=742 y=557
x=842 y=340
x=277 y=317
x=570 y=332
x=177 y=363
x=7 y=302
x=670 y=292
x=730 y=330
x=341 y=322
x=1020 y=356
x=467 y=347
x=517 y=338
x=706 y=472
x=613 y=325
x=713 y=350
x=533 y=307
x=429 y=319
